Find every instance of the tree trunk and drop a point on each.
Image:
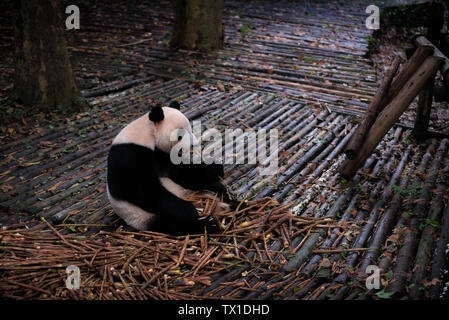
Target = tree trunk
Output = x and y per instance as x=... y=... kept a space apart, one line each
x=43 y=75
x=198 y=25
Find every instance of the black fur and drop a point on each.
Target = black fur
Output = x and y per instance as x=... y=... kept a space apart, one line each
x=195 y=176
x=133 y=176
x=200 y=177
x=156 y=114
x=175 y=105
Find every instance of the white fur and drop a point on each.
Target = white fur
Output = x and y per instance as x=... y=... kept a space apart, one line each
x=182 y=192
x=140 y=131
x=146 y=133
x=131 y=214
x=166 y=130
x=174 y=188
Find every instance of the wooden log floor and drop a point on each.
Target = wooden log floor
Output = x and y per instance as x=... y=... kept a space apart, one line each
x=298 y=67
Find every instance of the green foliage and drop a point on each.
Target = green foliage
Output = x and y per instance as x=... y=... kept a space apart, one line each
x=62 y=109
x=428 y=222
x=384 y=294
x=308 y=59
x=371 y=42
x=395 y=188
x=412 y=191
x=405 y=142
x=406 y=214
x=244 y=31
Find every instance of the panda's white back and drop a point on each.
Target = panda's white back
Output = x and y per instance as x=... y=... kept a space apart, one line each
x=139 y=131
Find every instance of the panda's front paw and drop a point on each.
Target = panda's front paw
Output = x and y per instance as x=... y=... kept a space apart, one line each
x=212 y=225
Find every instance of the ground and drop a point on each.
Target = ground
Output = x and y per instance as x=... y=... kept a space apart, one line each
x=300 y=67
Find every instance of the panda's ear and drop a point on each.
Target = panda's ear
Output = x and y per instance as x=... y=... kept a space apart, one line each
x=175 y=105
x=156 y=114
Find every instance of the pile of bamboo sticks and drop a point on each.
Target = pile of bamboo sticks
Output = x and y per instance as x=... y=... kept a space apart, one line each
x=141 y=265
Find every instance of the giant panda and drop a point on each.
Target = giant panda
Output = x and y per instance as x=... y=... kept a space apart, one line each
x=145 y=188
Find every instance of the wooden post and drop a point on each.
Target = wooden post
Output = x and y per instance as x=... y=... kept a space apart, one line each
x=392 y=112
x=423 y=110
x=381 y=99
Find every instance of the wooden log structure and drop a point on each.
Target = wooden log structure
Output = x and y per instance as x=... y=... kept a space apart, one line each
x=426 y=96
x=392 y=112
x=421 y=41
x=440 y=92
x=384 y=96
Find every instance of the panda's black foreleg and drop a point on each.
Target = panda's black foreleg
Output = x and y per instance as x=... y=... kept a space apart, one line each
x=178 y=217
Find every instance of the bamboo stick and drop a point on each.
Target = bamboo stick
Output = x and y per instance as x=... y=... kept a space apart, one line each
x=426 y=243
x=407 y=251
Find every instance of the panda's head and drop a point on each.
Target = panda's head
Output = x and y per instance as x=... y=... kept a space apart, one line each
x=171 y=127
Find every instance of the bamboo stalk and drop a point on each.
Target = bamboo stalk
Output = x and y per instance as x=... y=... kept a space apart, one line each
x=439 y=258
x=426 y=243
x=407 y=251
